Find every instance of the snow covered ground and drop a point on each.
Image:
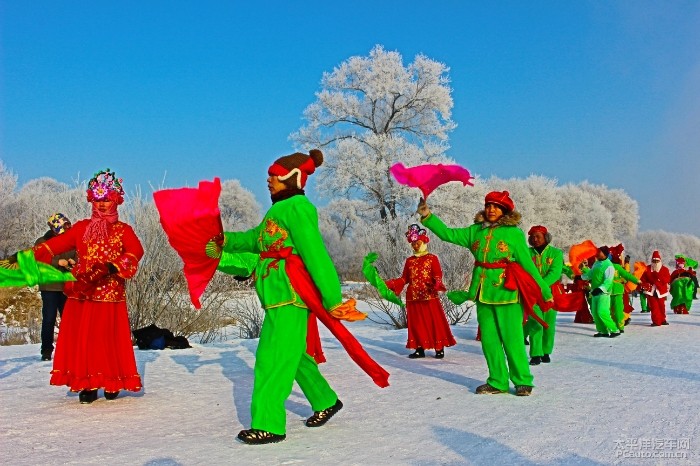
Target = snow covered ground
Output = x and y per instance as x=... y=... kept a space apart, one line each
x=629 y=400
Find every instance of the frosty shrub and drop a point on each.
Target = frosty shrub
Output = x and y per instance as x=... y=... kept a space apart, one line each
x=20 y=316
x=246 y=314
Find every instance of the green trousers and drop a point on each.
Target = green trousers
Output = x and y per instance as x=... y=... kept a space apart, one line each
x=502 y=341
x=600 y=310
x=541 y=339
x=617 y=310
x=280 y=360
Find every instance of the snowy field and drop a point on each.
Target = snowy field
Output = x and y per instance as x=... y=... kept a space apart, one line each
x=630 y=400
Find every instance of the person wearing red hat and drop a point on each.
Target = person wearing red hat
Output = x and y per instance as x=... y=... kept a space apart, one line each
x=681 y=288
x=427 y=324
x=505 y=284
x=602 y=276
x=94 y=349
x=618 y=296
x=655 y=285
x=549 y=262
x=295 y=275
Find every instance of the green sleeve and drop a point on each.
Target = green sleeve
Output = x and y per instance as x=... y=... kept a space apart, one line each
x=625 y=274
x=307 y=240
x=242 y=241
x=553 y=275
x=458 y=236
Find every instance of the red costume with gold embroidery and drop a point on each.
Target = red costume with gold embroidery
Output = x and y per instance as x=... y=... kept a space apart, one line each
x=94 y=348
x=427 y=325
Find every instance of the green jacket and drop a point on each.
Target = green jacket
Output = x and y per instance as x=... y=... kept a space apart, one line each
x=293 y=223
x=601 y=275
x=622 y=276
x=490 y=243
x=550 y=263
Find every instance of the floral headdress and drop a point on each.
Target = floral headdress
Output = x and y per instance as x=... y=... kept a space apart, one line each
x=415 y=233
x=105 y=186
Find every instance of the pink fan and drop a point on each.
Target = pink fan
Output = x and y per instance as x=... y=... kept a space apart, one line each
x=430 y=176
x=190 y=218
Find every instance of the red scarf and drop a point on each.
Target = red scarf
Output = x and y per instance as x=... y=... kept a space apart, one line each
x=97 y=229
x=518 y=279
x=304 y=285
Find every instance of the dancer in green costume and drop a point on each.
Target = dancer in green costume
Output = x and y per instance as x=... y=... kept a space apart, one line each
x=501 y=255
x=601 y=276
x=549 y=262
x=617 y=294
x=289 y=232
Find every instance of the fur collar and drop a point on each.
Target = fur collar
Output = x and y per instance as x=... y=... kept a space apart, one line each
x=508 y=219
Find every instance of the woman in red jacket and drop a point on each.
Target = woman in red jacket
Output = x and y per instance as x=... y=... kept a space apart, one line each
x=94 y=348
x=427 y=324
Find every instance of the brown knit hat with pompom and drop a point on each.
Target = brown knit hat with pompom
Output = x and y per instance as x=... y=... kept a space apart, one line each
x=293 y=170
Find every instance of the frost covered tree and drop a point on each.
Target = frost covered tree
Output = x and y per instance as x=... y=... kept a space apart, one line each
x=239 y=209
x=371 y=113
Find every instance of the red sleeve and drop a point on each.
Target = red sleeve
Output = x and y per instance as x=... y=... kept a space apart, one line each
x=127 y=263
x=397 y=284
x=58 y=244
x=437 y=275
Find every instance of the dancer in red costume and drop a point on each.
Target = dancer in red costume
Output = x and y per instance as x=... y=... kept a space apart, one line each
x=427 y=325
x=94 y=348
x=655 y=284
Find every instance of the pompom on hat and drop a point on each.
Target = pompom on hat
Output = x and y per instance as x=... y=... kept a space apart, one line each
x=501 y=199
x=105 y=186
x=58 y=223
x=293 y=170
x=415 y=233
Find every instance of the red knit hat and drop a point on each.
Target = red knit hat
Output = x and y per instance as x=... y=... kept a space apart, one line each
x=501 y=199
x=616 y=251
x=296 y=167
x=537 y=228
x=655 y=255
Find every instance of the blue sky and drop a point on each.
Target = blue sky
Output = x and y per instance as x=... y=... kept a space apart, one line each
x=603 y=91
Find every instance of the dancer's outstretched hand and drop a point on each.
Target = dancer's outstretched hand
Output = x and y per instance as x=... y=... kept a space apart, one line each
x=423 y=208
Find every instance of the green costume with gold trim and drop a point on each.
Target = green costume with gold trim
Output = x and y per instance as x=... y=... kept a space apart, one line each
x=549 y=263
x=281 y=356
x=617 y=302
x=499 y=311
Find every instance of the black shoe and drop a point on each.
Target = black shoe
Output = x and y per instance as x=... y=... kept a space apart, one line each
x=546 y=358
x=87 y=396
x=535 y=360
x=487 y=389
x=598 y=335
x=622 y=330
x=111 y=395
x=628 y=320
x=439 y=354
x=523 y=390
x=259 y=437
x=613 y=335
x=419 y=353
x=46 y=356
x=664 y=323
x=321 y=417
x=654 y=325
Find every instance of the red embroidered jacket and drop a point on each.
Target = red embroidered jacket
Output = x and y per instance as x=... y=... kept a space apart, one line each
x=424 y=278
x=122 y=248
